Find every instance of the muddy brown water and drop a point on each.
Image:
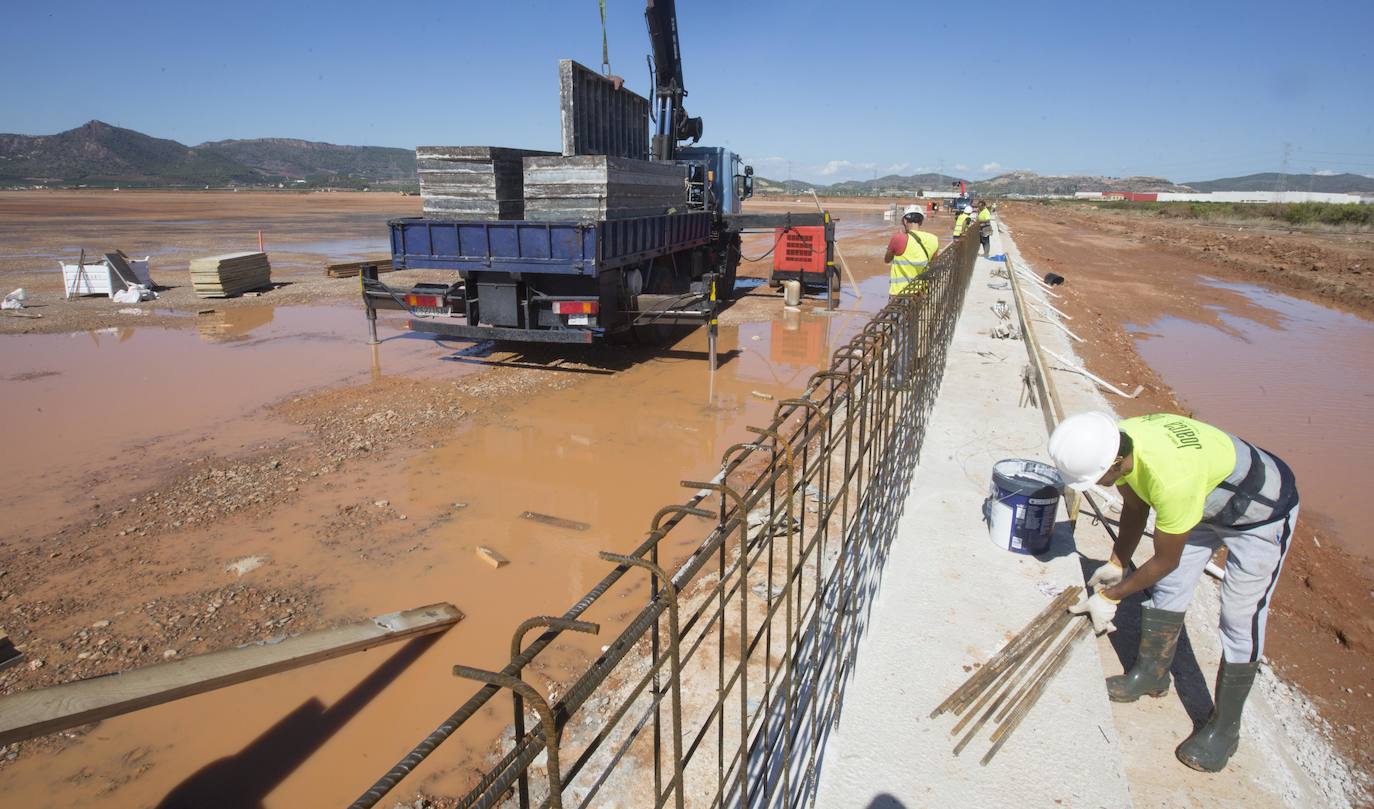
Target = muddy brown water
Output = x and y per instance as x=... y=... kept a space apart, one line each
x=90 y=407
x=608 y=451
x=1290 y=375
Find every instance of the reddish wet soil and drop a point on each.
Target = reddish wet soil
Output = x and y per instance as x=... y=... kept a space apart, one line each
x=361 y=482
x=1334 y=266
x=1210 y=337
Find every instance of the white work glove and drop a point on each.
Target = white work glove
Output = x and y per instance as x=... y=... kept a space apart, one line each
x=1100 y=609
x=1108 y=575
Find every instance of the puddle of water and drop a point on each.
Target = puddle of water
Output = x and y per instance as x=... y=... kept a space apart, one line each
x=607 y=452
x=95 y=403
x=1295 y=379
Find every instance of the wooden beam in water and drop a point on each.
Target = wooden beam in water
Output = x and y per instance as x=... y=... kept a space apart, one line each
x=556 y=522
x=47 y=710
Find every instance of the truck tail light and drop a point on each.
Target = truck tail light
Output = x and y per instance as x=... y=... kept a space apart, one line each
x=576 y=307
x=424 y=301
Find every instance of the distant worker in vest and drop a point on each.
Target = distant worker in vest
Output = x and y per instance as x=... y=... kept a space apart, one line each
x=984 y=219
x=909 y=252
x=961 y=220
x=1207 y=488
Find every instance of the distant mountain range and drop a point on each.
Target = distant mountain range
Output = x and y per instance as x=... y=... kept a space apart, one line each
x=98 y=154
x=889 y=185
x=1270 y=181
x=1029 y=183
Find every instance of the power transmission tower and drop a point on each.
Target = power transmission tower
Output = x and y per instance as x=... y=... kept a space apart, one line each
x=1281 y=184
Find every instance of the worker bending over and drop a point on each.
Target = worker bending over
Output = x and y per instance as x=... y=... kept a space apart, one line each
x=1208 y=488
x=909 y=252
x=961 y=220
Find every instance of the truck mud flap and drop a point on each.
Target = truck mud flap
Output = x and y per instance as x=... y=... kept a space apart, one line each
x=467 y=332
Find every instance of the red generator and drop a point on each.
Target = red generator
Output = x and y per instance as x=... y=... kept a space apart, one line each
x=803 y=253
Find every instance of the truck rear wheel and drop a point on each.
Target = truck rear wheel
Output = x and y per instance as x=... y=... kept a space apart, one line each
x=727 y=268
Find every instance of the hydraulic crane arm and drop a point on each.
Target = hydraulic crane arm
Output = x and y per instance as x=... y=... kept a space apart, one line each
x=673 y=122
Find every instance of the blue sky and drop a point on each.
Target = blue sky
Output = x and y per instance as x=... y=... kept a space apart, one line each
x=824 y=91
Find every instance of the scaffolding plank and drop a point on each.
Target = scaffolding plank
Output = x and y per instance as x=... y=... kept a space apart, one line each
x=47 y=710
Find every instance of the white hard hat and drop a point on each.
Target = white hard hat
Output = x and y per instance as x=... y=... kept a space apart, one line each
x=1084 y=446
x=968 y=209
x=911 y=209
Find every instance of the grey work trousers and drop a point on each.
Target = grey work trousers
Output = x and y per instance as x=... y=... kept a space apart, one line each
x=1254 y=558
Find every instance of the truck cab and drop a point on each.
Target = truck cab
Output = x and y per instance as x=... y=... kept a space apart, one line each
x=720 y=181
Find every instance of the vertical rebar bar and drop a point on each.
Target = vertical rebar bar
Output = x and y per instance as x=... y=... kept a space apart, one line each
x=517 y=643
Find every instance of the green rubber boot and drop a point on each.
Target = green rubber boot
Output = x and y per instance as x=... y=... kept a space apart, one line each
x=1213 y=744
x=1149 y=676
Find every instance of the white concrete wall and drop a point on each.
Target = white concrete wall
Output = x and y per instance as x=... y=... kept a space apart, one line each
x=1261 y=197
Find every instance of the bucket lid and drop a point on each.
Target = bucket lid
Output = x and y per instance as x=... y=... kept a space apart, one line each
x=1026 y=476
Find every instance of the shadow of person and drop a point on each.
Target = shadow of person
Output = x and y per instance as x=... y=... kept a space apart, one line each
x=245 y=778
x=885 y=801
x=1189 y=682
x=1061 y=542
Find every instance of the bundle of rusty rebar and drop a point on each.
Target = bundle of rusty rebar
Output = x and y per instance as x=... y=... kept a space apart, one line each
x=1007 y=686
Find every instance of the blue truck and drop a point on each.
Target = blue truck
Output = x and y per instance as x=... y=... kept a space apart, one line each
x=581 y=281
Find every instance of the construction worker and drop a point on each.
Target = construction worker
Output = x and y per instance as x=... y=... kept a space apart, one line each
x=1207 y=488
x=984 y=220
x=961 y=220
x=909 y=252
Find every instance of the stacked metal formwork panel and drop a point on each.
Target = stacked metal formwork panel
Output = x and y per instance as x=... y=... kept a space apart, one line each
x=597 y=187
x=600 y=117
x=603 y=173
x=472 y=182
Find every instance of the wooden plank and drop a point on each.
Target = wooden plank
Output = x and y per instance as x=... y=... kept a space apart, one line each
x=350 y=269
x=491 y=557
x=47 y=710
x=557 y=522
x=1050 y=406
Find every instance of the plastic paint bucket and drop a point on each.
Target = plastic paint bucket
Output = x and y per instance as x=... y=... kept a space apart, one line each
x=1021 y=505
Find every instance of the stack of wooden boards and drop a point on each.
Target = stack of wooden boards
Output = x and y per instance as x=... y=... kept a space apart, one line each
x=472 y=182
x=603 y=172
x=351 y=269
x=230 y=274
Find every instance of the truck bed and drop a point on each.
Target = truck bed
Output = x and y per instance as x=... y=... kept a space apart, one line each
x=567 y=248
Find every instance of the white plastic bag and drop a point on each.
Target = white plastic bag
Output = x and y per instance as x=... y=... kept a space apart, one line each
x=15 y=300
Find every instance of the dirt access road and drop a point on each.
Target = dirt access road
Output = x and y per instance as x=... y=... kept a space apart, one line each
x=1212 y=324
x=192 y=482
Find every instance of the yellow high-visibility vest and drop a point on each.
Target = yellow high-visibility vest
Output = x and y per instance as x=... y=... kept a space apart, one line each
x=906 y=270
x=985 y=215
x=959 y=222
